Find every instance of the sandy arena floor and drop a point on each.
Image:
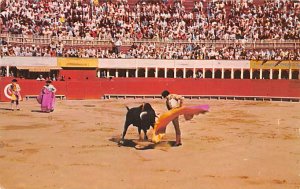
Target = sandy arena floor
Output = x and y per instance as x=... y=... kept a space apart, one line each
x=237 y=144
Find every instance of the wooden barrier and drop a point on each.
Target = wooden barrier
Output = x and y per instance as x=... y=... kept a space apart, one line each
x=215 y=88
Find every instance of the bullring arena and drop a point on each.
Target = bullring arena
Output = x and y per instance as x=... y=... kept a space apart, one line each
x=238 y=144
x=240 y=57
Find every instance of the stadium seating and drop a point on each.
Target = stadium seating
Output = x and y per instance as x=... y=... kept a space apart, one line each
x=224 y=29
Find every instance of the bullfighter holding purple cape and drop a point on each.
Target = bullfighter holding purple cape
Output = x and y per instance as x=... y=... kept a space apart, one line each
x=47 y=97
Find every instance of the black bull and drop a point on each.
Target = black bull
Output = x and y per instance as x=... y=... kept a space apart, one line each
x=142 y=117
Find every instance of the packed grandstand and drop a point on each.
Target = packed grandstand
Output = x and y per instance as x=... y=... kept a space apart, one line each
x=153 y=29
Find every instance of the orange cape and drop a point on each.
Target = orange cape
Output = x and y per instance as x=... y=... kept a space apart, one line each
x=162 y=122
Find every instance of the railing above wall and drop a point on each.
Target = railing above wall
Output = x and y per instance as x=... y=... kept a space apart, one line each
x=248 y=44
x=217 y=97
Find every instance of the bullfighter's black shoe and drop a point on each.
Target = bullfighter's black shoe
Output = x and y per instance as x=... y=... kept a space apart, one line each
x=178 y=144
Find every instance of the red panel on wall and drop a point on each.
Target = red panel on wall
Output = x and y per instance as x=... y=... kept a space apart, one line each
x=83 y=90
x=78 y=74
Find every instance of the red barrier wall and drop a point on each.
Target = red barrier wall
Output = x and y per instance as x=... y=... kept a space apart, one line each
x=78 y=74
x=30 y=87
x=87 y=89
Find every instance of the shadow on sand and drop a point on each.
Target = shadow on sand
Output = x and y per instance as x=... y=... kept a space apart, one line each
x=142 y=145
x=39 y=111
x=6 y=109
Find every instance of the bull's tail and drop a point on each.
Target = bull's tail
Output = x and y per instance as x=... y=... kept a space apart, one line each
x=127 y=108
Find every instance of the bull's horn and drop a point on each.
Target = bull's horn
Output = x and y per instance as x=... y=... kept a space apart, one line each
x=142 y=114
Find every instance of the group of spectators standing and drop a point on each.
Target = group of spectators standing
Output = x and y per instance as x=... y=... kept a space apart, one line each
x=155 y=51
x=151 y=50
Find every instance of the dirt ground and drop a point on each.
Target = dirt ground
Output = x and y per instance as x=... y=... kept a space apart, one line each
x=238 y=144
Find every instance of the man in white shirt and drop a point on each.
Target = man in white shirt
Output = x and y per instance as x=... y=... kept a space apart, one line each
x=174 y=101
x=117 y=44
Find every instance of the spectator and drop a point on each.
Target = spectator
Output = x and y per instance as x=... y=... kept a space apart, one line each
x=117 y=46
x=40 y=78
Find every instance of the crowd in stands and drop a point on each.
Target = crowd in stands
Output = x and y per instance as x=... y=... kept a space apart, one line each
x=90 y=20
x=118 y=22
x=155 y=51
x=197 y=51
